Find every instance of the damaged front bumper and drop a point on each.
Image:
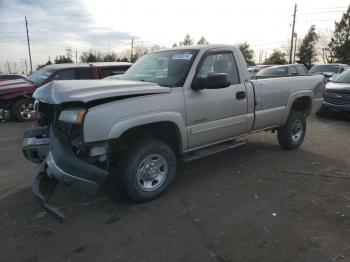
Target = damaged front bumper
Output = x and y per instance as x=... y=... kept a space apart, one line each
x=61 y=165
x=35 y=143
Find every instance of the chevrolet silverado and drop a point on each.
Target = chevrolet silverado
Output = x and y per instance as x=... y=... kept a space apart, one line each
x=180 y=103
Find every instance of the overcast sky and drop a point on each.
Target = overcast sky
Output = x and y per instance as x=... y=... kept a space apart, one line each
x=110 y=24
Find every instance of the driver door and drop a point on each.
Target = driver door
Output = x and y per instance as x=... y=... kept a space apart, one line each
x=215 y=115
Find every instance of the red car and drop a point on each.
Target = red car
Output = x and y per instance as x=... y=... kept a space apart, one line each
x=16 y=95
x=11 y=77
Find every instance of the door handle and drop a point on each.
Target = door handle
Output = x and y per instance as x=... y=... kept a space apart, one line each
x=241 y=95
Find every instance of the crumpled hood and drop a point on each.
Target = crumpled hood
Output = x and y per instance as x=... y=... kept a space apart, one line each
x=57 y=92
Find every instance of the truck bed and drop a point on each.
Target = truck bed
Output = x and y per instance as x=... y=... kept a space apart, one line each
x=273 y=97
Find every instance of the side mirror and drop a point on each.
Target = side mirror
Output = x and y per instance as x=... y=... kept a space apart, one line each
x=328 y=75
x=212 y=81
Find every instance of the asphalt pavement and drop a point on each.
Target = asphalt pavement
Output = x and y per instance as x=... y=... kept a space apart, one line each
x=253 y=203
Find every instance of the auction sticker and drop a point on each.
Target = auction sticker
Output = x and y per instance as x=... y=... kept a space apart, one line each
x=181 y=57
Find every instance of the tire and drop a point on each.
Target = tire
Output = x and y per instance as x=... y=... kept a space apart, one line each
x=20 y=110
x=291 y=135
x=141 y=184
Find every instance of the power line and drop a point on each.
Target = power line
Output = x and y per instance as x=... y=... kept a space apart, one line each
x=322 y=12
x=316 y=20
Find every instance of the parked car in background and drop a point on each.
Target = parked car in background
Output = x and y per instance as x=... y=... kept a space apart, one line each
x=253 y=70
x=16 y=96
x=328 y=70
x=8 y=77
x=282 y=71
x=337 y=94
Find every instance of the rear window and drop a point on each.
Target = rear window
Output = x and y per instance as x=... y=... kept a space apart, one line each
x=324 y=69
x=111 y=71
x=273 y=71
x=301 y=70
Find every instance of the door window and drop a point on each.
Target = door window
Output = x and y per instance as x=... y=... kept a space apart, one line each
x=84 y=73
x=301 y=70
x=79 y=73
x=220 y=63
x=293 y=71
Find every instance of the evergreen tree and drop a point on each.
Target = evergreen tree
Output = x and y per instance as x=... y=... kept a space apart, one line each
x=276 y=58
x=62 y=59
x=339 y=47
x=187 y=40
x=202 y=41
x=41 y=66
x=307 y=53
x=247 y=52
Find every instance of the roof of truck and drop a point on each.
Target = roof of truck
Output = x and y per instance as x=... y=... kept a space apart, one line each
x=97 y=64
x=198 y=47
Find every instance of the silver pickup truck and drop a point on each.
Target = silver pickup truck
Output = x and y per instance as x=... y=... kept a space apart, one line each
x=182 y=103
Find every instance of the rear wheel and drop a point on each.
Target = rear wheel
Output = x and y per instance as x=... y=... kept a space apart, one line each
x=291 y=135
x=22 y=110
x=147 y=169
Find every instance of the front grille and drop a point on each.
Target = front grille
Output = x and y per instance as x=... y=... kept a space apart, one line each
x=338 y=98
x=46 y=113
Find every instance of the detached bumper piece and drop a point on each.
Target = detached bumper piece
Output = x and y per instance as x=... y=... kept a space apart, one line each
x=43 y=187
x=63 y=166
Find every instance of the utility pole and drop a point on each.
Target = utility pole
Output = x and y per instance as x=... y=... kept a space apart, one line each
x=76 y=56
x=8 y=67
x=30 y=54
x=25 y=62
x=291 y=41
x=295 y=47
x=69 y=52
x=132 y=50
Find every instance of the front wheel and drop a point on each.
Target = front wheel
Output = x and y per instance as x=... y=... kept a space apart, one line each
x=22 y=110
x=291 y=135
x=147 y=169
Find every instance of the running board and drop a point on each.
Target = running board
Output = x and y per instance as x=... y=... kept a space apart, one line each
x=208 y=151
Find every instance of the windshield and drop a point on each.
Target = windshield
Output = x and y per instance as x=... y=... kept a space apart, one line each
x=165 y=68
x=273 y=71
x=324 y=68
x=41 y=75
x=343 y=77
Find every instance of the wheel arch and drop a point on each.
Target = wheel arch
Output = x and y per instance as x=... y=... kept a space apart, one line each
x=168 y=127
x=299 y=101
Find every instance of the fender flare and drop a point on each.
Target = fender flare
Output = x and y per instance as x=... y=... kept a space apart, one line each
x=125 y=124
x=293 y=97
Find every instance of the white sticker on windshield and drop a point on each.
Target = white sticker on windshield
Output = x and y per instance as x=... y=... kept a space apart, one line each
x=181 y=57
